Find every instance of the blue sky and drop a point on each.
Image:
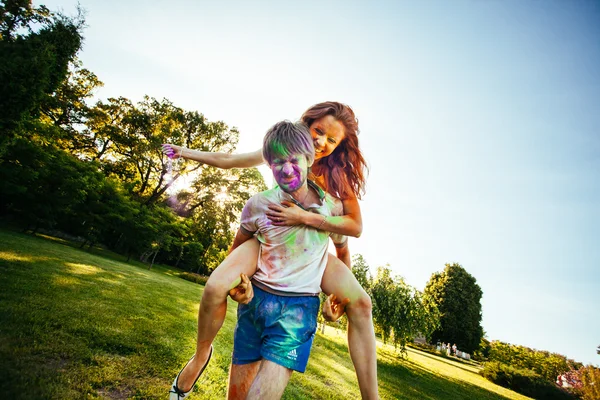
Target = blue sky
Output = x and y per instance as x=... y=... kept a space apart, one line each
x=479 y=120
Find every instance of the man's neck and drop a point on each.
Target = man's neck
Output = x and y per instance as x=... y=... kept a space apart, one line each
x=301 y=194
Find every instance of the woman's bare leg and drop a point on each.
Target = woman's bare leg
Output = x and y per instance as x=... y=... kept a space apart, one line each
x=213 y=306
x=339 y=280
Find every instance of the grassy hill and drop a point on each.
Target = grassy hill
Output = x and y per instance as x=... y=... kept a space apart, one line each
x=75 y=324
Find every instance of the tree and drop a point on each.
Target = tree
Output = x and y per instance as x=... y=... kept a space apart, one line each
x=41 y=184
x=483 y=352
x=215 y=203
x=547 y=365
x=588 y=376
x=36 y=47
x=18 y=16
x=126 y=139
x=426 y=315
x=458 y=298
x=400 y=312
x=98 y=172
x=361 y=271
x=66 y=108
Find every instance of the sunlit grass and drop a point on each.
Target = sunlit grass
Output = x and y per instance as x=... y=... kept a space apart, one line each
x=83 y=269
x=76 y=324
x=12 y=256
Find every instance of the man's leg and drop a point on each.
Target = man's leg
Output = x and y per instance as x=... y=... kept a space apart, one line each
x=240 y=379
x=270 y=382
x=339 y=280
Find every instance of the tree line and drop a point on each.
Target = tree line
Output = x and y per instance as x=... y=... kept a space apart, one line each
x=96 y=171
x=448 y=309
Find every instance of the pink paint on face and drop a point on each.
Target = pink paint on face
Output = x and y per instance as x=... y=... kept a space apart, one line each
x=290 y=172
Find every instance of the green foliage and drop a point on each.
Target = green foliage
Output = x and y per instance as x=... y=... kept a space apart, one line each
x=125 y=138
x=523 y=381
x=589 y=376
x=200 y=279
x=400 y=312
x=215 y=203
x=41 y=184
x=67 y=110
x=17 y=18
x=458 y=298
x=483 y=352
x=34 y=63
x=546 y=364
x=98 y=172
x=361 y=271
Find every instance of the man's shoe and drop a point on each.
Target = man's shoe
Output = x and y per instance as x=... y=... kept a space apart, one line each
x=177 y=394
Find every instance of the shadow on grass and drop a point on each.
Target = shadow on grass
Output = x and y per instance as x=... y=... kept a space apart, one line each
x=399 y=378
x=419 y=383
x=73 y=322
x=77 y=325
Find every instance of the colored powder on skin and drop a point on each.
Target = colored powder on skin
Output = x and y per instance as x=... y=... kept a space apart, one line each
x=278 y=150
x=350 y=293
x=169 y=176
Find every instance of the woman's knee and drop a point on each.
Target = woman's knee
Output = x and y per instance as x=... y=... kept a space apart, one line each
x=215 y=289
x=360 y=306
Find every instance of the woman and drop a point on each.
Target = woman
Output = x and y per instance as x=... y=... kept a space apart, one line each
x=338 y=168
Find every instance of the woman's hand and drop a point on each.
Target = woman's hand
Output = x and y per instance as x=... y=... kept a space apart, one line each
x=334 y=309
x=286 y=214
x=172 y=151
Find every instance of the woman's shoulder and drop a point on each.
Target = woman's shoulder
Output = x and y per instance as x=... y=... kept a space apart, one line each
x=319 y=180
x=334 y=204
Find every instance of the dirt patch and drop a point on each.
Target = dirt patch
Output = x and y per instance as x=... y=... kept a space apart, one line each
x=115 y=393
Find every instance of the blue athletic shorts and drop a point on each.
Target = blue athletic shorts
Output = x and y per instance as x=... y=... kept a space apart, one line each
x=277 y=328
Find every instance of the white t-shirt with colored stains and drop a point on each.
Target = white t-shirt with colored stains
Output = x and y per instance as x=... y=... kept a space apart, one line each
x=291 y=259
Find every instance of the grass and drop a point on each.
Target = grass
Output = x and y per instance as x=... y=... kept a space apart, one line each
x=75 y=324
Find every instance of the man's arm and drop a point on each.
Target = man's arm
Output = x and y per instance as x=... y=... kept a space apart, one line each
x=240 y=237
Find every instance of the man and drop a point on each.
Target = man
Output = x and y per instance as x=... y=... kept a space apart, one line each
x=275 y=330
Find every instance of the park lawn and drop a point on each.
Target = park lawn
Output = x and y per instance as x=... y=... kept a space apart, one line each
x=75 y=324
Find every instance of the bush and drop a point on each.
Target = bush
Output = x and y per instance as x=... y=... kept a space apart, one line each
x=523 y=381
x=589 y=376
x=548 y=365
x=196 y=278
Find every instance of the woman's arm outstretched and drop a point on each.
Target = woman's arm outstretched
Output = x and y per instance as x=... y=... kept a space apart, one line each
x=350 y=224
x=219 y=160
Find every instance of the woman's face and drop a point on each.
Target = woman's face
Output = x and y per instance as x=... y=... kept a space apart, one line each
x=327 y=133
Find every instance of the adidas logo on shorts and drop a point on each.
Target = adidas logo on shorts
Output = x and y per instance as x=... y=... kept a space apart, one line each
x=292 y=355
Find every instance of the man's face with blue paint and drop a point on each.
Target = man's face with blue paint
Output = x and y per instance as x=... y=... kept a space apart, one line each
x=290 y=171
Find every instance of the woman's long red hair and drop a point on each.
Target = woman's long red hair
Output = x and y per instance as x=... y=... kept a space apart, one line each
x=343 y=171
